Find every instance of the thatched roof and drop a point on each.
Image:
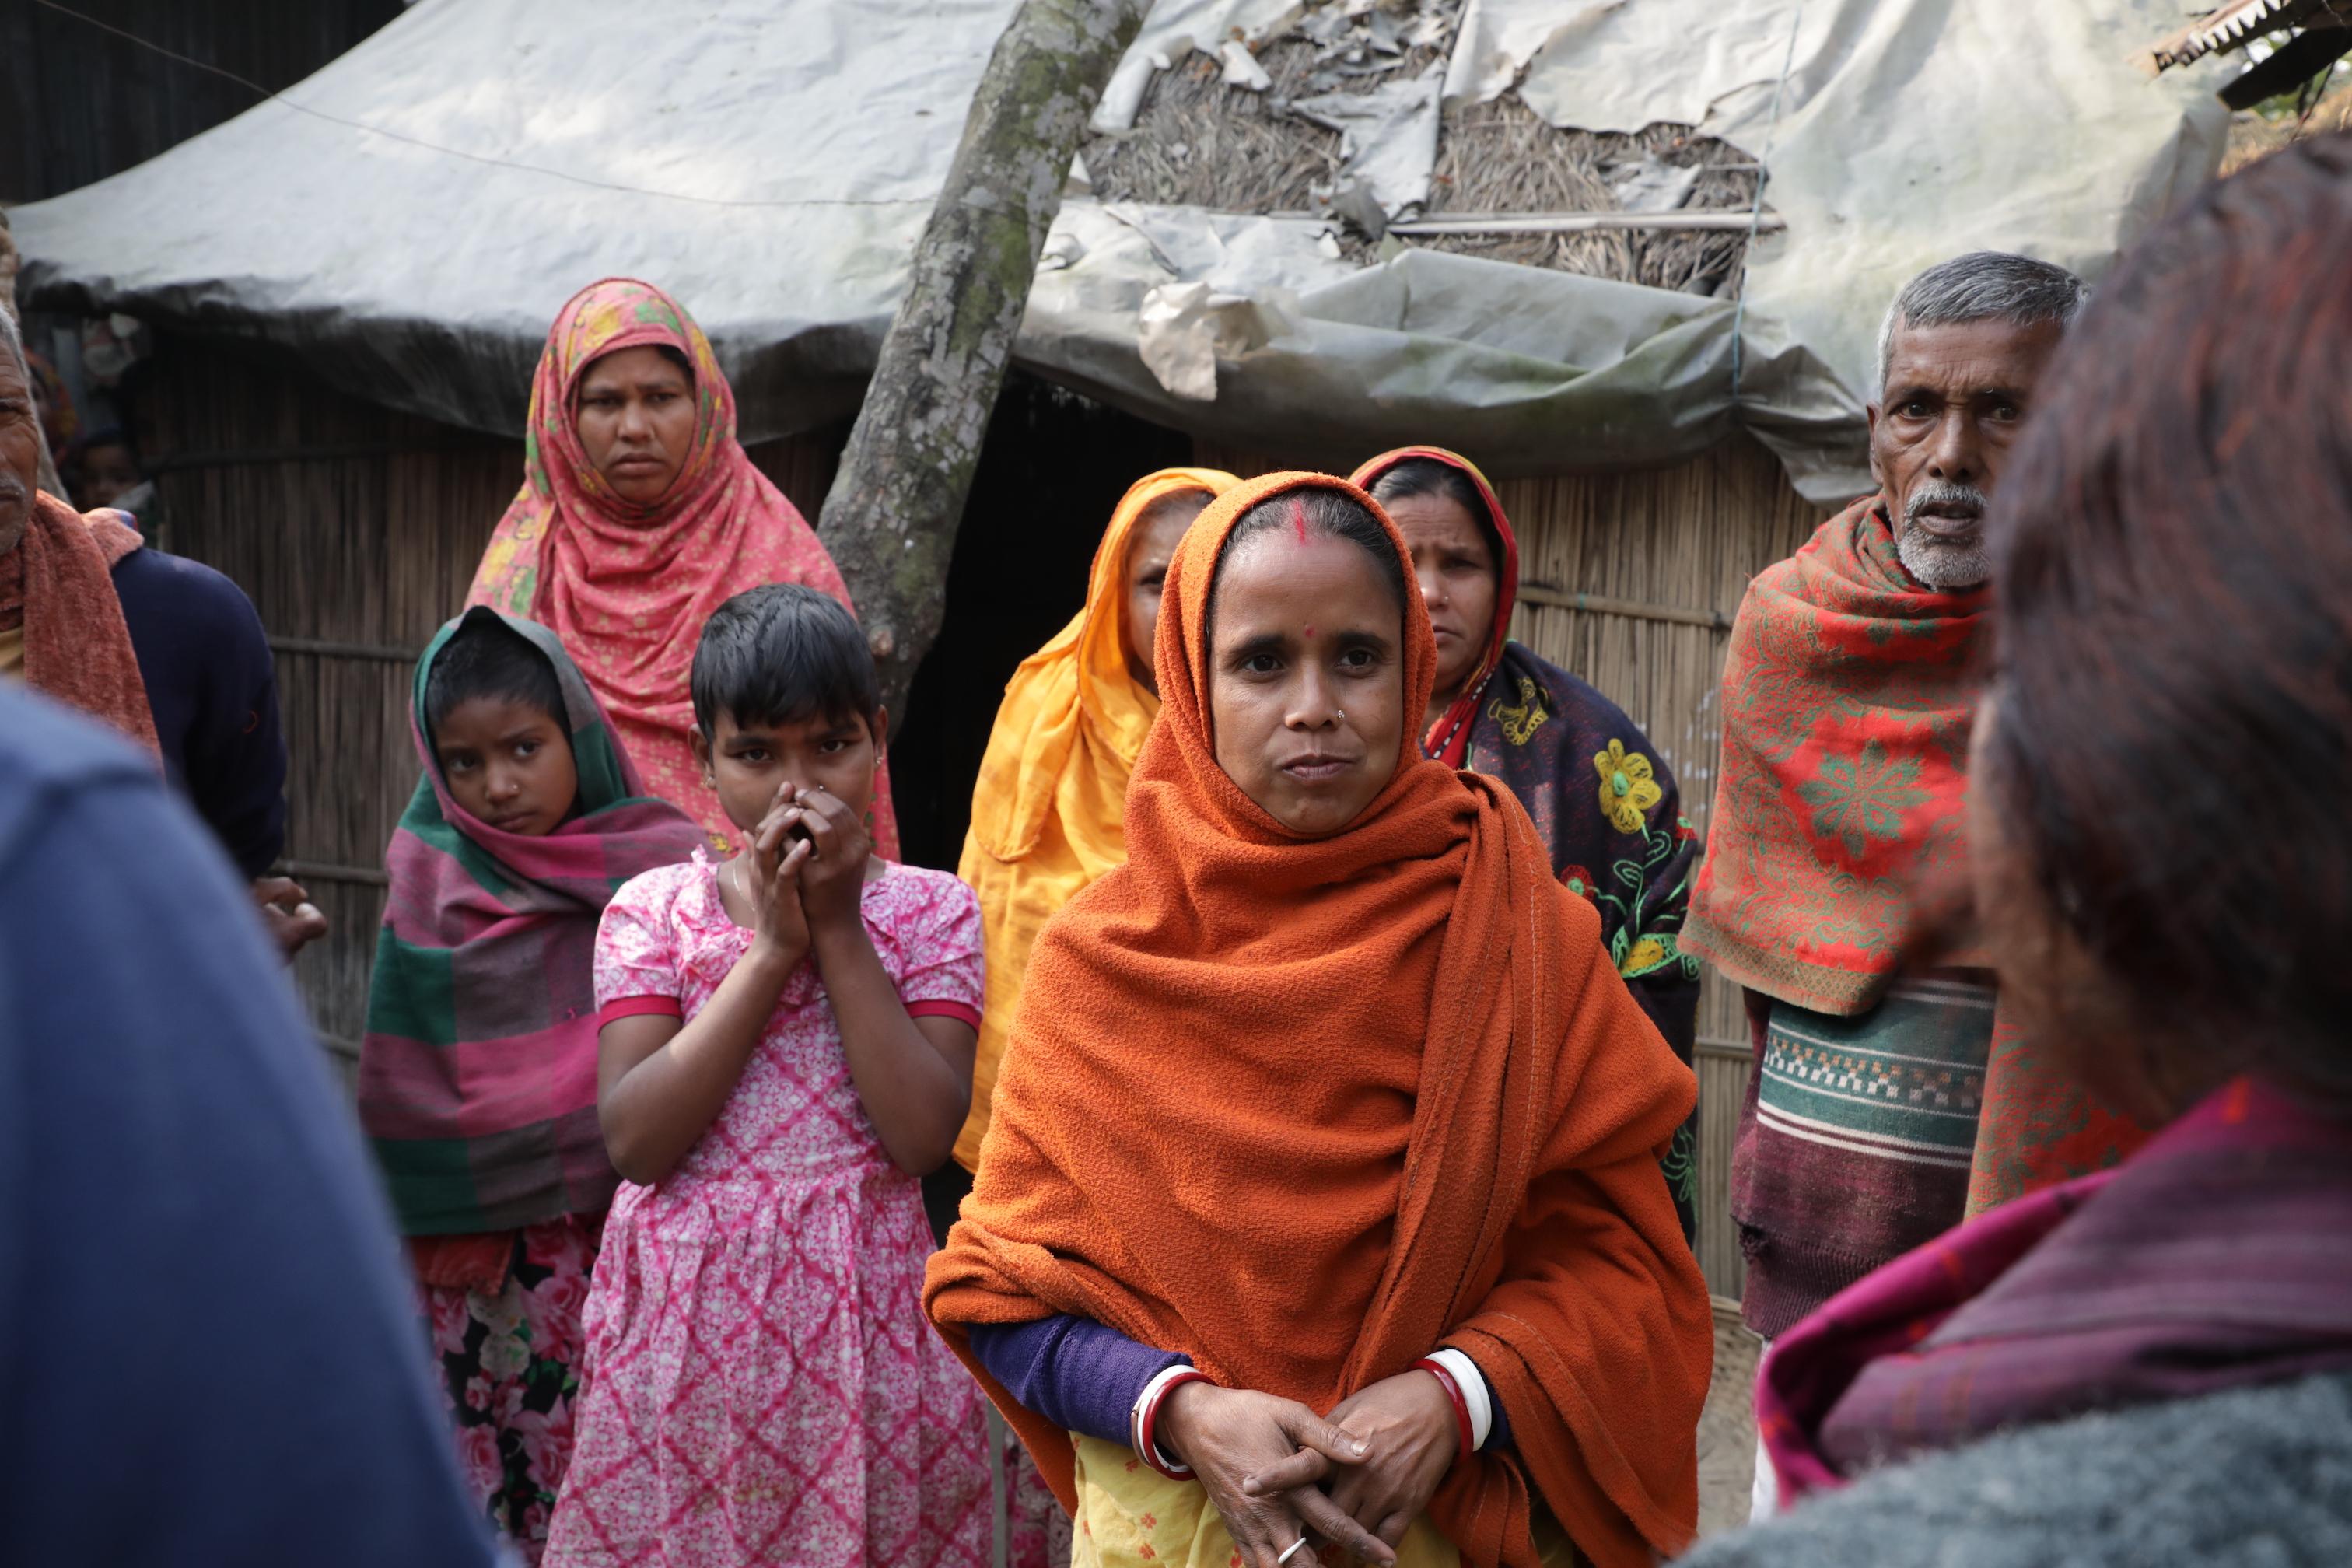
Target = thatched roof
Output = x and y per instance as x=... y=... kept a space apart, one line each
x=1202 y=141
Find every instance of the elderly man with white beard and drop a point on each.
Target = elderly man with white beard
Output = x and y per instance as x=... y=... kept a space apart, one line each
x=1848 y=690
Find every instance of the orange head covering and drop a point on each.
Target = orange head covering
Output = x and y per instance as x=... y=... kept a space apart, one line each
x=626 y=586
x=1048 y=813
x=1305 y=1109
x=1449 y=739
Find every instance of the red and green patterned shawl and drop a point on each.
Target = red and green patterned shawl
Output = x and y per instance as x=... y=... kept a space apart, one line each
x=1847 y=693
x=477 y=1079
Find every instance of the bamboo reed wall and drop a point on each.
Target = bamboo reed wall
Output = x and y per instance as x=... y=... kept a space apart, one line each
x=356 y=530
x=1662 y=557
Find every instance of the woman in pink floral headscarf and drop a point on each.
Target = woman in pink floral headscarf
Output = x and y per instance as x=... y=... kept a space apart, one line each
x=638 y=516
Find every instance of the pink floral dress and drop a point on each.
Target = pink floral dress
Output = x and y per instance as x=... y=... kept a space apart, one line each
x=761 y=1385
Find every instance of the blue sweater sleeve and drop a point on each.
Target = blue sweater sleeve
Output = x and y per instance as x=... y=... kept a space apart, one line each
x=209 y=1350
x=212 y=686
x=1076 y=1372
x=1084 y=1377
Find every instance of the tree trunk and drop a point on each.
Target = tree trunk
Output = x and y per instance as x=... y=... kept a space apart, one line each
x=890 y=519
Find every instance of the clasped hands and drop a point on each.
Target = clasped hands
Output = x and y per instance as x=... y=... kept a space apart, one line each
x=1276 y=1470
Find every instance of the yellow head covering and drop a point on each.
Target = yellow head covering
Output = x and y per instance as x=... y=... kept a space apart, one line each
x=1049 y=815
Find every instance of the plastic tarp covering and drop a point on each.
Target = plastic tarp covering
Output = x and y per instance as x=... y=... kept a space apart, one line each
x=410 y=219
x=1907 y=132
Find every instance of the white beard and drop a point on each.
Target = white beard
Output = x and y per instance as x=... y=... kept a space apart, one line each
x=1944 y=564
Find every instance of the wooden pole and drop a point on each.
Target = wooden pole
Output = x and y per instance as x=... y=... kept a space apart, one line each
x=890 y=519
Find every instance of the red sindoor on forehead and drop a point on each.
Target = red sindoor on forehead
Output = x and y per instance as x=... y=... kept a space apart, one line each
x=1298 y=517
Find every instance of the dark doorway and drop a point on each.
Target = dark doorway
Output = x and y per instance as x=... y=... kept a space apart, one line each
x=1052 y=467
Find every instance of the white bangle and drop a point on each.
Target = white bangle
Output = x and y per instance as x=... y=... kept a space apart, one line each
x=1474 y=1392
x=1142 y=1407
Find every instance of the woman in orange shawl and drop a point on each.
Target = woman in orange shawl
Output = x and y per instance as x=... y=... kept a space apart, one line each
x=1326 y=1117
x=640 y=514
x=1048 y=813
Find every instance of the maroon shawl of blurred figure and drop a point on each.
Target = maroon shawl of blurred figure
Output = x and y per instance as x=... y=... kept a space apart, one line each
x=2215 y=1257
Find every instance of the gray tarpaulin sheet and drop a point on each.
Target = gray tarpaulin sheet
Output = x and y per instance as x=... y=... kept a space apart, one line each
x=412 y=225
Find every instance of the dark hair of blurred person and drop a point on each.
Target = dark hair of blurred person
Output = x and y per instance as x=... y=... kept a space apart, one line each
x=2152 y=1366
x=211 y=1355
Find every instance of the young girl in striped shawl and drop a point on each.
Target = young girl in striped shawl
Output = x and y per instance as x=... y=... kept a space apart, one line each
x=478 y=1080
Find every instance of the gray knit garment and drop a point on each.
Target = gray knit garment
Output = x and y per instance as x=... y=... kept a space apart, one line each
x=2257 y=1477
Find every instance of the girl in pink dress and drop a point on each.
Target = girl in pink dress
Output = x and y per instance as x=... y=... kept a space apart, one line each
x=787 y=1042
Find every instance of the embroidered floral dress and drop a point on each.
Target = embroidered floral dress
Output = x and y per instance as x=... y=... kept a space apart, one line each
x=761 y=1385
x=1610 y=815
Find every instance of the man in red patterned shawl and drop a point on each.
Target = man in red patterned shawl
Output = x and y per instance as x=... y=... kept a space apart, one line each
x=1881 y=1108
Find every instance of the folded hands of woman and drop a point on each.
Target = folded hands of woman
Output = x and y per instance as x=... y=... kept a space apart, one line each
x=1264 y=1462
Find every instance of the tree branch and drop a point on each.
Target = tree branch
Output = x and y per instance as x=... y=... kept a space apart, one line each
x=891 y=517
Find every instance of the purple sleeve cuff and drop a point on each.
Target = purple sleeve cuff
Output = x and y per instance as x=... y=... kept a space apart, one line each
x=1499 y=1434
x=1074 y=1372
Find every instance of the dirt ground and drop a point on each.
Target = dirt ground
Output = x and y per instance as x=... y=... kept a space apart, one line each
x=1727 y=1428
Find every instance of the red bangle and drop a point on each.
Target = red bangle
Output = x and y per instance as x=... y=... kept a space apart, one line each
x=1146 y=1448
x=1461 y=1406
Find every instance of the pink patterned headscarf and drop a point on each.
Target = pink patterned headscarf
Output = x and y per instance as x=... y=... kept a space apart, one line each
x=627 y=585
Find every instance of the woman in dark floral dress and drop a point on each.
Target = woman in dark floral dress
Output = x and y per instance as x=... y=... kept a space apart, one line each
x=1606 y=808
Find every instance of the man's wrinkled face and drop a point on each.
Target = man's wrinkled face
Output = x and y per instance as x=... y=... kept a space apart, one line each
x=20 y=451
x=1955 y=399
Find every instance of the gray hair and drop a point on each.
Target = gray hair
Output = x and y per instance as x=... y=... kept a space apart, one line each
x=1982 y=286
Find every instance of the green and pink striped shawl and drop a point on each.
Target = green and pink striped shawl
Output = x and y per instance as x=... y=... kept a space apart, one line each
x=477 y=1079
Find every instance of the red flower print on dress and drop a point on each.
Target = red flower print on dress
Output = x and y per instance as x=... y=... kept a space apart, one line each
x=565 y=1251
x=1579 y=881
x=546 y=1440
x=478 y=1456
x=478 y=1394
x=450 y=1319
x=553 y=1307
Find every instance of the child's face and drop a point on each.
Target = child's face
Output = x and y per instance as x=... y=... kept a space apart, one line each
x=748 y=762
x=508 y=764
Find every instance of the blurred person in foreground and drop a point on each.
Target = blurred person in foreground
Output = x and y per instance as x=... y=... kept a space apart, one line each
x=2151 y=1365
x=167 y=651
x=211 y=1355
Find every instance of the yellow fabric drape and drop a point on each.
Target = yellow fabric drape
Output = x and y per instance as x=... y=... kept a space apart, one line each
x=1049 y=815
x=1130 y=1516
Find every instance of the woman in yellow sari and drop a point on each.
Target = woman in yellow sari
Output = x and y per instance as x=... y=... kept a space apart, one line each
x=1048 y=813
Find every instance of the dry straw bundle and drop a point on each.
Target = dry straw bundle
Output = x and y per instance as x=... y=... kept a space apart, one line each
x=1200 y=141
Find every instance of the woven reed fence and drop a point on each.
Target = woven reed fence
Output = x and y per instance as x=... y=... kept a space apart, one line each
x=1661 y=558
